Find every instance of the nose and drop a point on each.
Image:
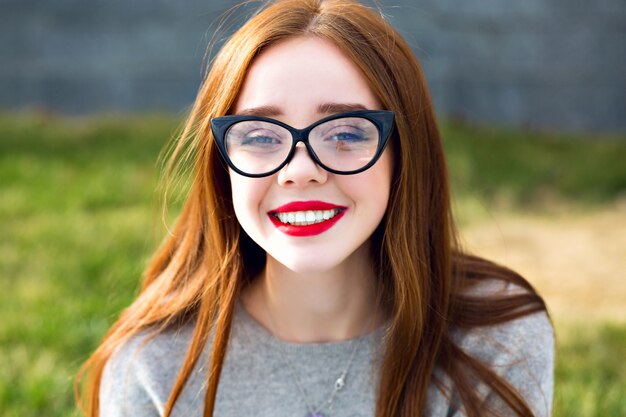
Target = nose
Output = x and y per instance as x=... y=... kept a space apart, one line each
x=301 y=170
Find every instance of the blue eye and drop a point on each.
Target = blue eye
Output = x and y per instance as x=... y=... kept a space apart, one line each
x=348 y=137
x=259 y=140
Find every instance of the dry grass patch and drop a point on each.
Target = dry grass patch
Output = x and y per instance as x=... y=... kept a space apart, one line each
x=577 y=260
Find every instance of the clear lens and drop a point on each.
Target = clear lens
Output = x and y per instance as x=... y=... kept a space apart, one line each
x=256 y=147
x=345 y=144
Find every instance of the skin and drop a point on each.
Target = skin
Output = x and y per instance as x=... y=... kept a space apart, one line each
x=317 y=288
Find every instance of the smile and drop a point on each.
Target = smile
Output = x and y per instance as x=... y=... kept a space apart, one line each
x=306 y=218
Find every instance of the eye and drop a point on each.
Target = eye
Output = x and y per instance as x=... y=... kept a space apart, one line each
x=349 y=138
x=253 y=136
x=346 y=136
x=256 y=137
x=260 y=139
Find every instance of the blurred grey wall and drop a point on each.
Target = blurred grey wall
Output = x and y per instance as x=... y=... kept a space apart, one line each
x=556 y=64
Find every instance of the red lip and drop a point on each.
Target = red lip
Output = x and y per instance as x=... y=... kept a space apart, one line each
x=306 y=205
x=310 y=230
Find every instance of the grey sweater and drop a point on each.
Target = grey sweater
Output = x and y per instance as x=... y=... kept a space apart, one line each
x=265 y=377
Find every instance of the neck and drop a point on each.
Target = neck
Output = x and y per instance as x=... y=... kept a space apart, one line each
x=314 y=307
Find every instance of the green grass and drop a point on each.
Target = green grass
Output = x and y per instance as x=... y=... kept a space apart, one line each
x=76 y=210
x=591 y=372
x=77 y=215
x=527 y=170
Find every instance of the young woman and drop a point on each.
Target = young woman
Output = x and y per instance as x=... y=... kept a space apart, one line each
x=314 y=269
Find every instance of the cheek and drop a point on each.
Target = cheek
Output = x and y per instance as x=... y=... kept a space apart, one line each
x=370 y=189
x=378 y=178
x=247 y=196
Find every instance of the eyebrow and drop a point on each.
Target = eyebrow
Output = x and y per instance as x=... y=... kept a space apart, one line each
x=333 y=108
x=264 y=111
x=324 y=108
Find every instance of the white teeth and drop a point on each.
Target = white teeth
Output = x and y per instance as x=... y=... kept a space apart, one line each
x=305 y=218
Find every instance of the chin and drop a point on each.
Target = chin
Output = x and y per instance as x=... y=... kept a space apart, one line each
x=308 y=264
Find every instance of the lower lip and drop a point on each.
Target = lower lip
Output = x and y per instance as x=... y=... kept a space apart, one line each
x=310 y=230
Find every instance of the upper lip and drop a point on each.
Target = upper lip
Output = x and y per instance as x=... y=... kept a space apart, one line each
x=305 y=206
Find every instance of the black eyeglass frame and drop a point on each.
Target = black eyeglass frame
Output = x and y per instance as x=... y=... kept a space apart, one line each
x=382 y=119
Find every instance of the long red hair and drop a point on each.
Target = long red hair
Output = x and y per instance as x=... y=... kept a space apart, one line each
x=204 y=263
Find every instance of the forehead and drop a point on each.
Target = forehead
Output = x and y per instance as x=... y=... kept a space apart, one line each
x=299 y=75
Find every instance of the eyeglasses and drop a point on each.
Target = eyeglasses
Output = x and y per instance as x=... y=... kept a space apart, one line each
x=344 y=143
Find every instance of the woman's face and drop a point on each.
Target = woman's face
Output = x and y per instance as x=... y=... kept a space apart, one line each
x=299 y=81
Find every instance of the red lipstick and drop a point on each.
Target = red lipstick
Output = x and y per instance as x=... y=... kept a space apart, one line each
x=306 y=230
